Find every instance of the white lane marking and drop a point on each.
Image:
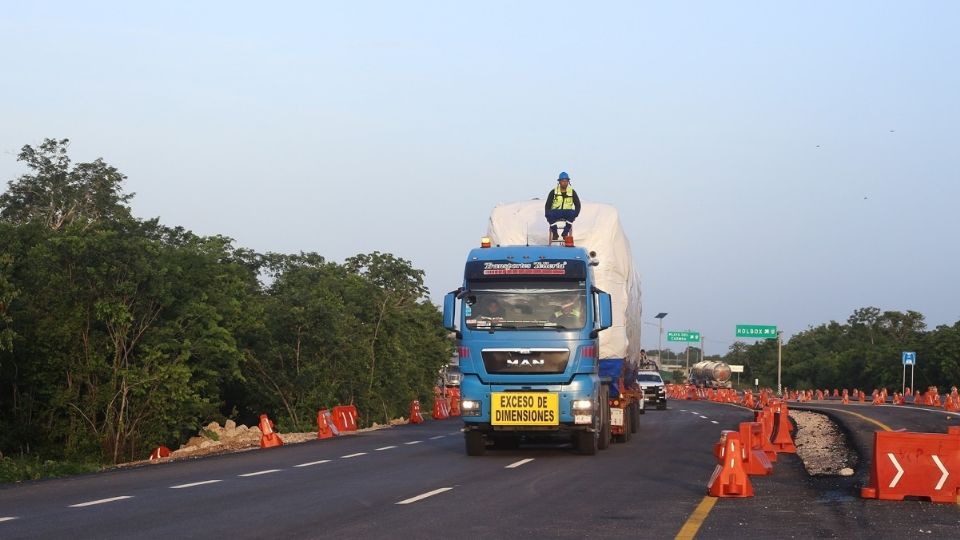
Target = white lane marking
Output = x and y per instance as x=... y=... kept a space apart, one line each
x=385 y=448
x=702 y=416
x=714 y=422
x=268 y=471
x=312 y=463
x=519 y=463
x=437 y=437
x=100 y=501
x=943 y=470
x=348 y=456
x=181 y=486
x=424 y=496
x=2 y=519
x=413 y=442
x=896 y=478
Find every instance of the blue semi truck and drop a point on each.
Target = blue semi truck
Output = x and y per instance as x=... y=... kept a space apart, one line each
x=529 y=320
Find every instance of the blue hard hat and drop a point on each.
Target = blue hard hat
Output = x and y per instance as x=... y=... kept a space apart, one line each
x=563 y=176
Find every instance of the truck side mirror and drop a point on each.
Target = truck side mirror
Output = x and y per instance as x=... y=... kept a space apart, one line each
x=606 y=310
x=450 y=311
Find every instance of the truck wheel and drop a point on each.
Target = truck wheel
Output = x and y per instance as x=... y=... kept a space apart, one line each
x=604 y=441
x=476 y=445
x=586 y=442
x=627 y=424
x=662 y=405
x=635 y=419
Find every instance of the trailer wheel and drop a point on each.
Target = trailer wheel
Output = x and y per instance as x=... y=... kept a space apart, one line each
x=476 y=445
x=635 y=419
x=662 y=405
x=586 y=442
x=627 y=424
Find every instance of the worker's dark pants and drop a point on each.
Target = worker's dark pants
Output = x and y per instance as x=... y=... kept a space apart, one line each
x=556 y=215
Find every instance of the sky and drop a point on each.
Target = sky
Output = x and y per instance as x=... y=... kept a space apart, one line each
x=777 y=163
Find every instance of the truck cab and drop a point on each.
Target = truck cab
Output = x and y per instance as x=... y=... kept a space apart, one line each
x=527 y=321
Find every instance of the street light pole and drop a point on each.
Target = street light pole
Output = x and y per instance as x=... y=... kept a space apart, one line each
x=779 y=363
x=660 y=317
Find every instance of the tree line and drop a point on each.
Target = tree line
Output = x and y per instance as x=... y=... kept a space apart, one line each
x=119 y=334
x=864 y=353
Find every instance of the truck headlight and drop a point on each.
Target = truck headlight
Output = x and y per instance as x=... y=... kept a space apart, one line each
x=469 y=407
x=582 y=405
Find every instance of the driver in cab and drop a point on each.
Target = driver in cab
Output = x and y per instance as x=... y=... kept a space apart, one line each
x=491 y=309
x=568 y=315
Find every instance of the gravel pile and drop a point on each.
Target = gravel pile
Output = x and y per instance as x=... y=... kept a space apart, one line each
x=823 y=448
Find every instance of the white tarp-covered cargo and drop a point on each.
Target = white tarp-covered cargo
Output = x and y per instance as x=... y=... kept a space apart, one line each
x=597 y=229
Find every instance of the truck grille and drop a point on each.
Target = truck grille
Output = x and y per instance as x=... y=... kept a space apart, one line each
x=525 y=360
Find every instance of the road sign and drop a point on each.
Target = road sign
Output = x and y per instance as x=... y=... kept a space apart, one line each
x=688 y=335
x=909 y=358
x=756 y=331
x=736 y=369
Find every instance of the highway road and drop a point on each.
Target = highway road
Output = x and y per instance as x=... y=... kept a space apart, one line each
x=415 y=481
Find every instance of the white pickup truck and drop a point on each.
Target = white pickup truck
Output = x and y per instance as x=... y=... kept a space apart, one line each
x=654 y=391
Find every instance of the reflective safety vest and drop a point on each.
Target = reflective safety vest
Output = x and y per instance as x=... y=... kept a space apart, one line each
x=562 y=201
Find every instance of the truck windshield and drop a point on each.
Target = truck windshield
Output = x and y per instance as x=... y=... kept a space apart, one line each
x=525 y=306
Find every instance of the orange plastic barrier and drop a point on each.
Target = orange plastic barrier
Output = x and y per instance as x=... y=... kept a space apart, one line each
x=268 y=437
x=345 y=418
x=325 y=427
x=765 y=417
x=440 y=409
x=729 y=478
x=416 y=417
x=159 y=452
x=453 y=401
x=755 y=460
x=907 y=464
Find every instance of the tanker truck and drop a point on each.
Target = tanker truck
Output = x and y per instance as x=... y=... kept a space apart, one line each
x=548 y=335
x=710 y=374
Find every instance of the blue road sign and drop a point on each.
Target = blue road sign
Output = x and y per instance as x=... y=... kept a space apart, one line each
x=909 y=358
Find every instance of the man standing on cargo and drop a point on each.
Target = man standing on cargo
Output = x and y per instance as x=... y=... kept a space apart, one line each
x=562 y=204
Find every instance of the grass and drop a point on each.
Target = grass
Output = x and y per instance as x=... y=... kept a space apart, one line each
x=32 y=468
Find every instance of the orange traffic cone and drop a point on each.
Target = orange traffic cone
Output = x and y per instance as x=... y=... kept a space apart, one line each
x=781 y=439
x=159 y=452
x=729 y=477
x=416 y=417
x=268 y=437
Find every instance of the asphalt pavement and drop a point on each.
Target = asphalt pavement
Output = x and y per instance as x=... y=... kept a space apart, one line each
x=415 y=481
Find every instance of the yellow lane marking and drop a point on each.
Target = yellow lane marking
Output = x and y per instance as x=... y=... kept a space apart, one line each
x=860 y=416
x=690 y=528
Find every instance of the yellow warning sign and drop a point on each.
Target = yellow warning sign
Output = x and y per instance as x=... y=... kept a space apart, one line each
x=524 y=409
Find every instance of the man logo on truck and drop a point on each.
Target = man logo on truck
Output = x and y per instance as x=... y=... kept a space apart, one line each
x=525 y=362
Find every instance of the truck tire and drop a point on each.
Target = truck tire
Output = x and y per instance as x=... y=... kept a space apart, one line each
x=662 y=405
x=635 y=419
x=604 y=441
x=627 y=424
x=476 y=445
x=586 y=442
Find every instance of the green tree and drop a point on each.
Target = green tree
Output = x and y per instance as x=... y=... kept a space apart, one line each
x=56 y=194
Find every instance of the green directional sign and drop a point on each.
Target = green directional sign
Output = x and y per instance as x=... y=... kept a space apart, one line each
x=688 y=335
x=756 y=331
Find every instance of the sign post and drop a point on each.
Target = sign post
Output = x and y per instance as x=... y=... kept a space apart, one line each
x=909 y=358
x=762 y=331
x=687 y=336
